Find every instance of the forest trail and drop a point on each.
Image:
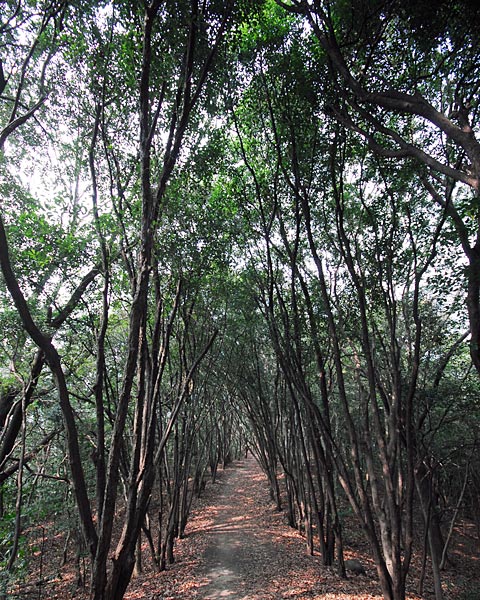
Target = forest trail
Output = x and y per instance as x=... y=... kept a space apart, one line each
x=238 y=547
x=240 y=554
x=245 y=550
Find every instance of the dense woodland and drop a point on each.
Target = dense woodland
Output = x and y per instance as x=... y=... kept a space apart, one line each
x=239 y=224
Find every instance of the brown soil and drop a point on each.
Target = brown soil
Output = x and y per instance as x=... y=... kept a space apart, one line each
x=238 y=547
x=247 y=556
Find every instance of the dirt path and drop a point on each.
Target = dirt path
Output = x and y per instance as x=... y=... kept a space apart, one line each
x=238 y=547
x=246 y=551
x=240 y=554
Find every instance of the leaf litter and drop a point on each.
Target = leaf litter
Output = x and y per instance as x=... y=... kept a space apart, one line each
x=237 y=546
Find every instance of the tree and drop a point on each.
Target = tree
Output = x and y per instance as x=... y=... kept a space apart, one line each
x=162 y=55
x=373 y=239
x=408 y=85
x=210 y=197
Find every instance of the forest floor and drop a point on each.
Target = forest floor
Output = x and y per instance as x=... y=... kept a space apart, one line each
x=238 y=547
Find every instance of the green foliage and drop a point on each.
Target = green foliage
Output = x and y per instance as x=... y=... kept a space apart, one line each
x=448 y=21
x=7 y=532
x=266 y=30
x=267 y=190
